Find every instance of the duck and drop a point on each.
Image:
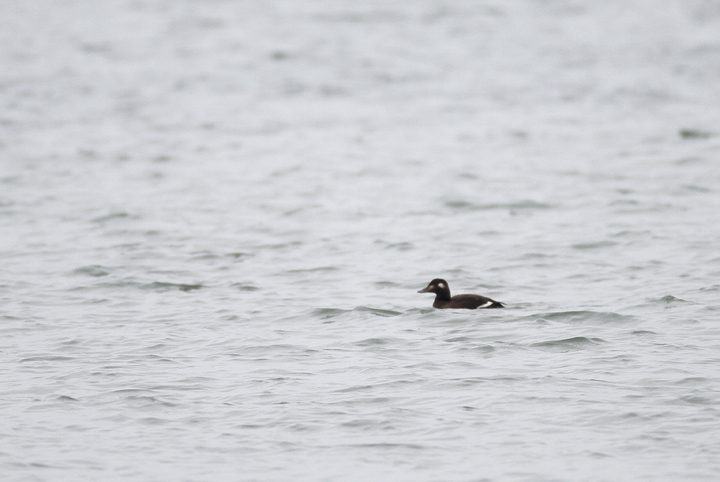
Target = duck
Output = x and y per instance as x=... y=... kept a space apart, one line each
x=443 y=300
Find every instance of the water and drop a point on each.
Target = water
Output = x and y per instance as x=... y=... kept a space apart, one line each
x=215 y=217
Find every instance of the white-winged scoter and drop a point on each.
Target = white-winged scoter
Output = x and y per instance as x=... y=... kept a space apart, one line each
x=469 y=302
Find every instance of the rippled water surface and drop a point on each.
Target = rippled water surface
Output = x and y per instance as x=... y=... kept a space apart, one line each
x=215 y=217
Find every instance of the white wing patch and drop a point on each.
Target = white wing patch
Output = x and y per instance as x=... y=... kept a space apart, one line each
x=486 y=304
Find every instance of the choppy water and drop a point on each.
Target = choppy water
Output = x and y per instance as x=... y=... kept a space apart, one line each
x=215 y=217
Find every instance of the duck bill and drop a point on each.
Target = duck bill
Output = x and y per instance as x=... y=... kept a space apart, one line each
x=424 y=290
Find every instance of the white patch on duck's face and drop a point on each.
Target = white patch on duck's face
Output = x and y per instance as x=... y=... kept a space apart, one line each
x=441 y=285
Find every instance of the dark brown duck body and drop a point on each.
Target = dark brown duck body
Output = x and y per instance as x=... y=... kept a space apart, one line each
x=469 y=302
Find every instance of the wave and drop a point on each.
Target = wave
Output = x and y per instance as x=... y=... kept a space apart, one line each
x=518 y=205
x=587 y=317
x=568 y=344
x=335 y=312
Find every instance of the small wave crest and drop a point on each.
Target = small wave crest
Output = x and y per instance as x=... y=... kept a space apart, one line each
x=94 y=271
x=587 y=317
x=326 y=313
x=163 y=286
x=568 y=344
x=511 y=206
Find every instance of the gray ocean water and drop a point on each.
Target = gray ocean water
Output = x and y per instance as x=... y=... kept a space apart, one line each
x=215 y=216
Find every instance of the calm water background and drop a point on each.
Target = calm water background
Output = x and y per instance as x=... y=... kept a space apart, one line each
x=215 y=216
